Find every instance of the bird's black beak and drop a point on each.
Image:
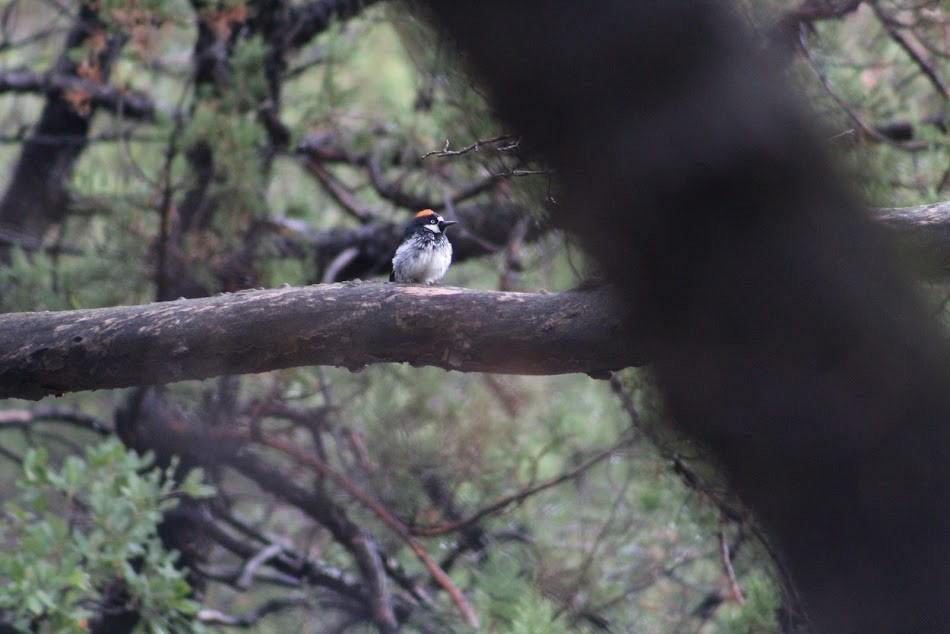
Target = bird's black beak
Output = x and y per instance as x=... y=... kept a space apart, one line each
x=447 y=223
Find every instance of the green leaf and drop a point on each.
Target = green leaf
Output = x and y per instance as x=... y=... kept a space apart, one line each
x=35 y=465
x=193 y=485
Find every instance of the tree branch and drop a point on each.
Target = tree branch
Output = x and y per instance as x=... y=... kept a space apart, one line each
x=486 y=229
x=315 y=17
x=520 y=495
x=438 y=575
x=131 y=105
x=350 y=325
x=923 y=231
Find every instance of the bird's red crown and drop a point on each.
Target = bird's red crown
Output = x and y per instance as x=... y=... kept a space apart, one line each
x=424 y=213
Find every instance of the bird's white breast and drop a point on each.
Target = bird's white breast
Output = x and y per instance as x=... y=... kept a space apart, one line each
x=423 y=262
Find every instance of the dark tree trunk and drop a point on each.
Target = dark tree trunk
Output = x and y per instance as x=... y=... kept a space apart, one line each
x=38 y=195
x=782 y=335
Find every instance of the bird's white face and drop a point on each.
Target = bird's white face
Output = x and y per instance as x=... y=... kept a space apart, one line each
x=433 y=223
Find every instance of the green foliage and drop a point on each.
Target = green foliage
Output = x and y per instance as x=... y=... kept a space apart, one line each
x=879 y=83
x=248 y=87
x=757 y=615
x=79 y=530
x=535 y=615
x=28 y=279
x=235 y=139
x=106 y=271
x=509 y=601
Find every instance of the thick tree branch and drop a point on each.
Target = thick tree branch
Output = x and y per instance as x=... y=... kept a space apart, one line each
x=923 y=231
x=128 y=104
x=350 y=325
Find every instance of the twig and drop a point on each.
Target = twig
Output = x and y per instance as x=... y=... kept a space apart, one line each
x=247 y=572
x=727 y=564
x=445 y=151
x=54 y=414
x=393 y=192
x=338 y=191
x=442 y=529
x=925 y=66
x=216 y=617
x=514 y=173
x=514 y=263
x=230 y=574
x=339 y=263
x=847 y=133
x=868 y=131
x=288 y=562
x=384 y=515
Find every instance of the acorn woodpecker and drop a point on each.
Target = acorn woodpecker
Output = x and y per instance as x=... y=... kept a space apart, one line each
x=424 y=253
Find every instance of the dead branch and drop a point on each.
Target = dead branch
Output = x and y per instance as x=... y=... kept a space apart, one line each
x=350 y=325
x=510 y=142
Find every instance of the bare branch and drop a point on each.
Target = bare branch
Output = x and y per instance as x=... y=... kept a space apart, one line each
x=518 y=496
x=442 y=579
x=54 y=414
x=351 y=325
x=727 y=565
x=338 y=191
x=867 y=130
x=216 y=617
x=893 y=29
x=246 y=577
x=511 y=141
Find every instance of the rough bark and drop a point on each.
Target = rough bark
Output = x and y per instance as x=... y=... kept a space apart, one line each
x=923 y=234
x=350 y=325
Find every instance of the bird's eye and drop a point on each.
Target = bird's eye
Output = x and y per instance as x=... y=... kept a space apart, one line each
x=432 y=221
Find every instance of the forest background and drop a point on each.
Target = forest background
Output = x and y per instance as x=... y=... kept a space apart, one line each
x=166 y=149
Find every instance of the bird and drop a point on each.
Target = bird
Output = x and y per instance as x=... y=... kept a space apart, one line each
x=424 y=253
